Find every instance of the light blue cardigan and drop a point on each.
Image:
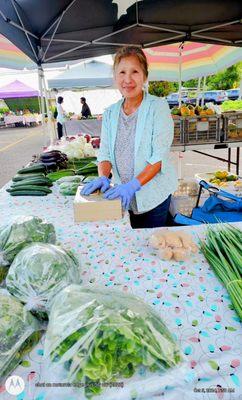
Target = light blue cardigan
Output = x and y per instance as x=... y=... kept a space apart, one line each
x=153 y=138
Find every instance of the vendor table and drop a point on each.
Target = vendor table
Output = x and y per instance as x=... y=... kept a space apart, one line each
x=23 y=119
x=199 y=147
x=91 y=126
x=187 y=295
x=13 y=119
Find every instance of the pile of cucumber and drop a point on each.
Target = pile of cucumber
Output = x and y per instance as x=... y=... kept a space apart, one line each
x=30 y=181
x=36 y=179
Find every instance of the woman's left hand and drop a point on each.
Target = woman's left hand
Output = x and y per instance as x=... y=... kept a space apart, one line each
x=125 y=192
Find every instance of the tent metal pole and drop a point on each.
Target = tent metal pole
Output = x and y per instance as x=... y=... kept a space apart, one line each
x=58 y=18
x=210 y=37
x=198 y=90
x=164 y=40
x=49 y=124
x=217 y=26
x=117 y=44
x=158 y=28
x=44 y=128
x=180 y=74
x=52 y=36
x=9 y=21
x=204 y=87
x=26 y=34
x=67 y=51
x=41 y=95
x=63 y=40
x=114 y=33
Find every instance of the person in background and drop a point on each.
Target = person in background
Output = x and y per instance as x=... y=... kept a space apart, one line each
x=137 y=133
x=60 y=116
x=86 y=112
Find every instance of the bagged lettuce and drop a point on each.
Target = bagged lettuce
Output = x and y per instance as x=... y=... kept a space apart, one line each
x=99 y=336
x=38 y=272
x=69 y=188
x=20 y=232
x=19 y=333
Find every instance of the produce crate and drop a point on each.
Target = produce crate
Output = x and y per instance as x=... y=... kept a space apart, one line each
x=232 y=126
x=178 y=130
x=200 y=129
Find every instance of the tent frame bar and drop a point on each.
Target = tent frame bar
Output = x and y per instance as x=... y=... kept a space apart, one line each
x=116 y=44
x=217 y=26
x=163 y=40
x=67 y=51
x=114 y=33
x=63 y=40
x=52 y=36
x=181 y=34
x=9 y=21
x=58 y=19
x=215 y=39
x=158 y=28
x=25 y=32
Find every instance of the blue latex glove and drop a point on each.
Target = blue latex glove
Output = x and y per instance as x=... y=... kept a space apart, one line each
x=102 y=183
x=125 y=192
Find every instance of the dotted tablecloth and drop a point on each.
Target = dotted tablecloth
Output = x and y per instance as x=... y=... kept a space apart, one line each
x=187 y=295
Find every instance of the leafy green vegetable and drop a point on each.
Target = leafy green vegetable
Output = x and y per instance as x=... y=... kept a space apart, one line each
x=69 y=188
x=38 y=272
x=223 y=250
x=20 y=232
x=103 y=335
x=231 y=105
x=19 y=332
x=69 y=179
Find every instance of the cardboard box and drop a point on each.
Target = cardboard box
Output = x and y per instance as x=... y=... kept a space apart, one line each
x=95 y=208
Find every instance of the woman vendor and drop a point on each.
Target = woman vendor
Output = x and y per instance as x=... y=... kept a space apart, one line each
x=137 y=133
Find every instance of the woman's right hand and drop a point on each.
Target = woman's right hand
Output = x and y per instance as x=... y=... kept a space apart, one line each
x=102 y=183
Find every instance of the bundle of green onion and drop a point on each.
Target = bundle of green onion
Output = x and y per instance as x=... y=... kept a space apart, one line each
x=223 y=251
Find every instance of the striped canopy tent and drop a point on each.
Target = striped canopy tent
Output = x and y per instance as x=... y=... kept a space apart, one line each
x=12 y=57
x=184 y=61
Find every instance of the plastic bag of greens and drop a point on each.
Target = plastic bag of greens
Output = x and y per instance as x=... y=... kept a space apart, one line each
x=69 y=188
x=21 y=231
x=96 y=337
x=19 y=332
x=38 y=272
x=70 y=179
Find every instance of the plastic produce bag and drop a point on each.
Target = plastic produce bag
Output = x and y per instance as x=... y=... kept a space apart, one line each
x=70 y=179
x=69 y=188
x=19 y=333
x=38 y=272
x=21 y=231
x=96 y=337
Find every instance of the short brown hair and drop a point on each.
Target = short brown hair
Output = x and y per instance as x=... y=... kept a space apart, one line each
x=127 y=51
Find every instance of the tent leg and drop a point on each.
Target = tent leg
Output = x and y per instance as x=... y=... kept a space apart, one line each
x=198 y=91
x=42 y=109
x=204 y=86
x=50 y=127
x=180 y=75
x=41 y=96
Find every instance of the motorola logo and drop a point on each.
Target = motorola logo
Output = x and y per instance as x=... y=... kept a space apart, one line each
x=14 y=385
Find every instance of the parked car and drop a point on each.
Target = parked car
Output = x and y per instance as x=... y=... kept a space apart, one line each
x=173 y=99
x=233 y=94
x=213 y=96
